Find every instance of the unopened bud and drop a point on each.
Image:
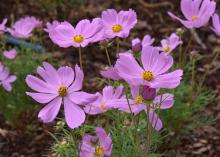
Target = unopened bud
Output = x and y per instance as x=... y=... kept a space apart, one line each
x=136 y=45
x=148 y=93
x=194 y=53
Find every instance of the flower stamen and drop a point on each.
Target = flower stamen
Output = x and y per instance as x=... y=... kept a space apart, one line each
x=78 y=38
x=148 y=76
x=99 y=151
x=139 y=99
x=166 y=49
x=103 y=106
x=117 y=28
x=194 y=18
x=62 y=91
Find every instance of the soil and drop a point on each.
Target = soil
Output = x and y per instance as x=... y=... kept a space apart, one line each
x=153 y=20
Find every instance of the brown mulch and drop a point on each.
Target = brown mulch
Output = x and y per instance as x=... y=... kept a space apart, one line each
x=153 y=20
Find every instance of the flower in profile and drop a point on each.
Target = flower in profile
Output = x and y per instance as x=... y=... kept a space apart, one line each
x=105 y=101
x=23 y=28
x=138 y=104
x=216 y=24
x=85 y=32
x=194 y=53
x=51 y=26
x=57 y=86
x=137 y=44
x=154 y=72
x=5 y=78
x=2 y=26
x=169 y=44
x=96 y=146
x=10 y=54
x=111 y=73
x=118 y=24
x=196 y=12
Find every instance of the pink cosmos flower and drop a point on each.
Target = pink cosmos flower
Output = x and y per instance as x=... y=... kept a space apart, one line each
x=96 y=146
x=2 y=26
x=137 y=44
x=154 y=72
x=164 y=101
x=24 y=27
x=10 y=54
x=169 y=44
x=196 y=12
x=51 y=26
x=111 y=73
x=85 y=32
x=118 y=24
x=216 y=24
x=5 y=78
x=57 y=87
x=105 y=101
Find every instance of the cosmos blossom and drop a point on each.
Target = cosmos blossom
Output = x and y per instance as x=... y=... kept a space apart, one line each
x=85 y=32
x=154 y=72
x=10 y=54
x=137 y=105
x=169 y=44
x=57 y=87
x=137 y=44
x=216 y=24
x=23 y=28
x=51 y=26
x=96 y=146
x=2 y=26
x=196 y=12
x=111 y=73
x=5 y=78
x=105 y=101
x=118 y=24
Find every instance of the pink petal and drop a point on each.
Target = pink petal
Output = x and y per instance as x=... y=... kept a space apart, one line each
x=74 y=115
x=66 y=75
x=82 y=98
x=50 y=111
x=79 y=76
x=166 y=100
x=42 y=97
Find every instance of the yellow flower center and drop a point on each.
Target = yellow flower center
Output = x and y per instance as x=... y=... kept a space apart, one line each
x=78 y=38
x=103 y=106
x=195 y=18
x=99 y=151
x=139 y=99
x=62 y=91
x=116 y=28
x=148 y=76
x=166 y=49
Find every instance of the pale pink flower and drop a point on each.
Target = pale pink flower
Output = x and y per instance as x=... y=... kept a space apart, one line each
x=137 y=44
x=2 y=26
x=51 y=26
x=111 y=73
x=10 y=54
x=5 y=78
x=216 y=24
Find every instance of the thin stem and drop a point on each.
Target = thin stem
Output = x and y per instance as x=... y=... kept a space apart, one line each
x=108 y=57
x=118 y=46
x=80 y=58
x=148 y=129
x=185 y=52
x=192 y=78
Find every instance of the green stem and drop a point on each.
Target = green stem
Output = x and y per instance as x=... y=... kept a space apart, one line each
x=108 y=57
x=118 y=46
x=80 y=58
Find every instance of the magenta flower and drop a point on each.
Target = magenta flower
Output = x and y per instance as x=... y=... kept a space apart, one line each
x=10 y=54
x=137 y=104
x=51 y=26
x=57 y=87
x=96 y=146
x=2 y=26
x=216 y=24
x=118 y=24
x=65 y=35
x=111 y=73
x=154 y=72
x=105 y=101
x=23 y=28
x=5 y=78
x=196 y=12
x=137 y=44
x=169 y=44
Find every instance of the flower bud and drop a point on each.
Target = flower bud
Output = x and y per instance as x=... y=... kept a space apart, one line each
x=194 y=53
x=148 y=93
x=136 y=45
